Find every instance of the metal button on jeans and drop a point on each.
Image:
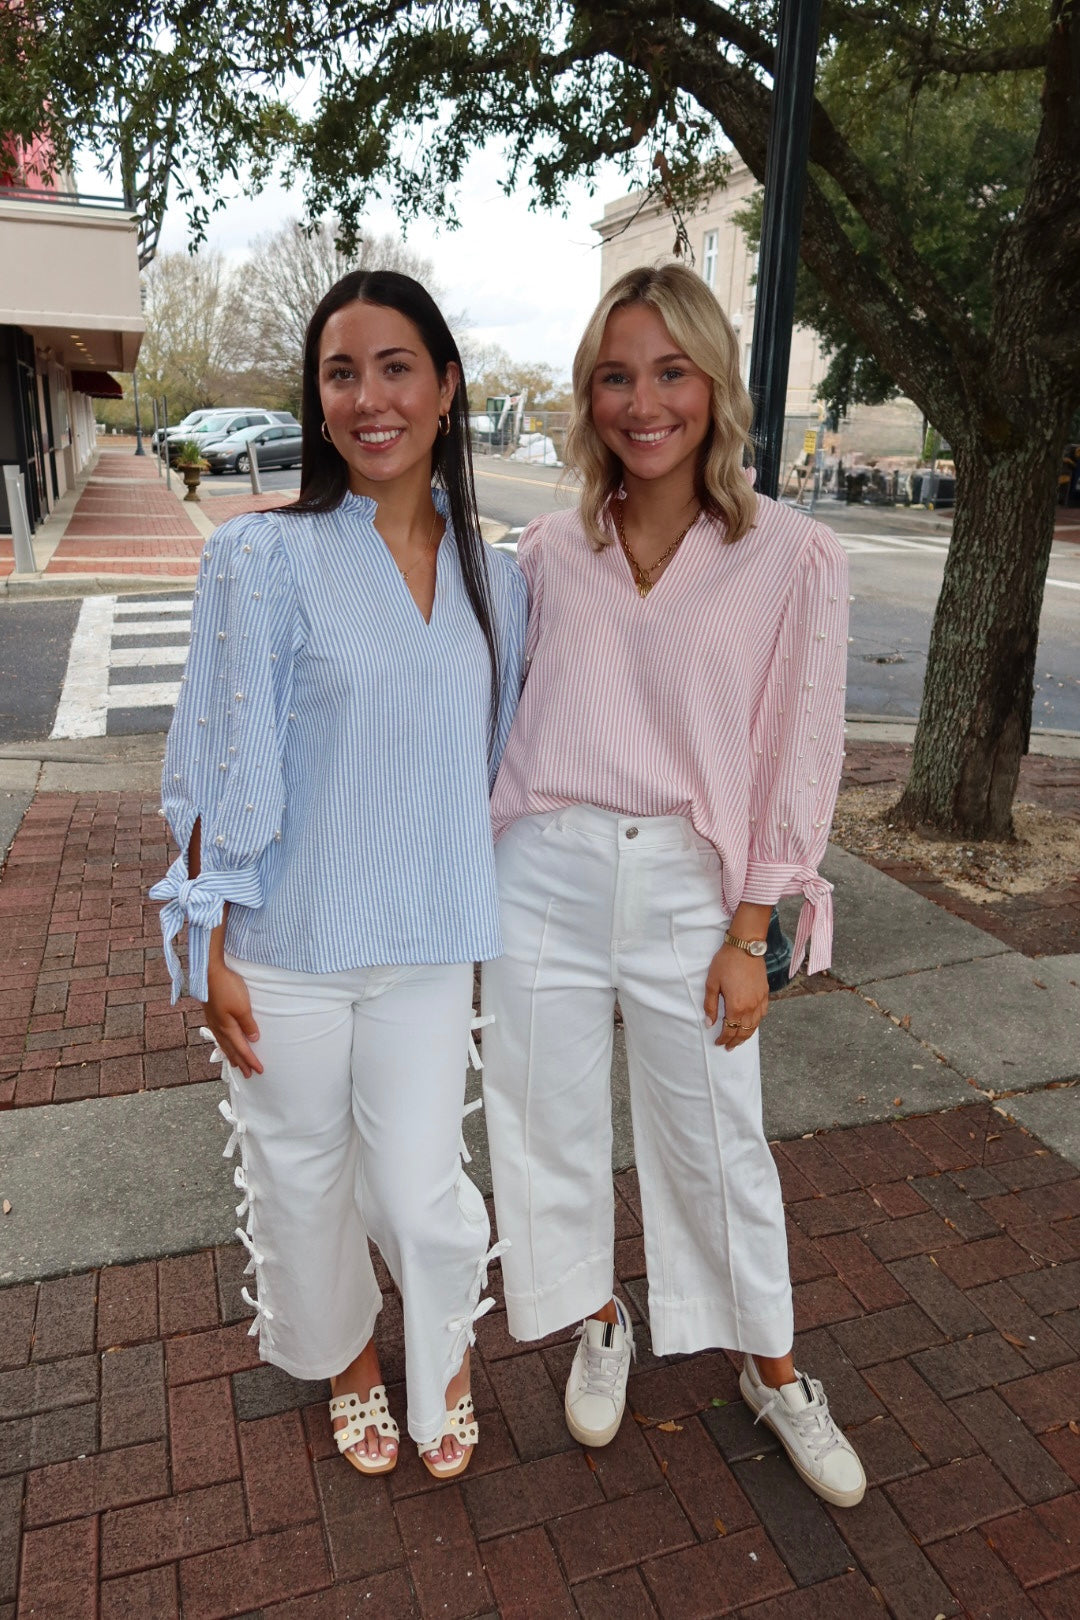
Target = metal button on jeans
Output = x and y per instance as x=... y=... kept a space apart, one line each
x=631 y=832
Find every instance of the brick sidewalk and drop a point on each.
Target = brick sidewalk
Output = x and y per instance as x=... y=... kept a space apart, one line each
x=86 y=1007
x=149 y=1465
x=126 y=521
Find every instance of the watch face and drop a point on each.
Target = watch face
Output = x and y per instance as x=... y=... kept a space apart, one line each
x=758 y=947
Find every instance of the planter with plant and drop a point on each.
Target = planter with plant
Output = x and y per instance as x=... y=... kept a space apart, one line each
x=191 y=466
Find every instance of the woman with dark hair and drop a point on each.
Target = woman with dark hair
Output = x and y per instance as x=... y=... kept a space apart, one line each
x=355 y=664
x=670 y=774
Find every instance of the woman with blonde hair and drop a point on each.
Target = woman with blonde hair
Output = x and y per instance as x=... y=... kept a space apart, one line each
x=670 y=773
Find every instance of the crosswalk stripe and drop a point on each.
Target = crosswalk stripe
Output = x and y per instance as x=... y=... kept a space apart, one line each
x=153 y=627
x=147 y=695
x=154 y=657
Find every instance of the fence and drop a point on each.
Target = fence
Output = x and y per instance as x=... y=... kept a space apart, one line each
x=540 y=443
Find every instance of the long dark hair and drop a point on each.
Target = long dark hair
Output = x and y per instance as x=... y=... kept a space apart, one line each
x=324 y=479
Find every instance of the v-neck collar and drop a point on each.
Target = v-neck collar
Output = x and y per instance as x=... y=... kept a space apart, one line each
x=623 y=561
x=367 y=508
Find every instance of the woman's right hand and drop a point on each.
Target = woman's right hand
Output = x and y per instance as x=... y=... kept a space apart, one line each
x=228 y=1014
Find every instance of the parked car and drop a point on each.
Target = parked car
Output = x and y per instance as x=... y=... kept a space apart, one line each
x=223 y=423
x=181 y=429
x=277 y=446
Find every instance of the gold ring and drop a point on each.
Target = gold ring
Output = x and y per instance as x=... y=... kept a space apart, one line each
x=731 y=1024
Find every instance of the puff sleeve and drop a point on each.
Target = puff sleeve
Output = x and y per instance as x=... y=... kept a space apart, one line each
x=797 y=743
x=511 y=606
x=531 y=560
x=223 y=757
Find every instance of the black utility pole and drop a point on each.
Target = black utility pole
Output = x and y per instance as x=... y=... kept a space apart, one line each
x=781 y=228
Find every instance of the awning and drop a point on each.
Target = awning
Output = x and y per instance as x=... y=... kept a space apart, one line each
x=98 y=384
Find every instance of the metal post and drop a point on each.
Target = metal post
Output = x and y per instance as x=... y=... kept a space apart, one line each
x=819 y=463
x=253 y=468
x=139 y=451
x=157 y=439
x=25 y=562
x=165 y=438
x=781 y=228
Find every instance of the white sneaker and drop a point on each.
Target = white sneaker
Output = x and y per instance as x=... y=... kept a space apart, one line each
x=596 y=1388
x=798 y=1414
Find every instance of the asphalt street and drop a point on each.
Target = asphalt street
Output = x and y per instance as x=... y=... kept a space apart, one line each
x=896 y=558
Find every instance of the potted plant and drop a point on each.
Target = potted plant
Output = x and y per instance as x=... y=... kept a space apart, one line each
x=191 y=466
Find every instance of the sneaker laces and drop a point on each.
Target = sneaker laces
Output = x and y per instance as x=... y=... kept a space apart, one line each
x=603 y=1362
x=601 y=1369
x=814 y=1423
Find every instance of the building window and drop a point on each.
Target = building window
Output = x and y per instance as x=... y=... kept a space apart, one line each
x=708 y=258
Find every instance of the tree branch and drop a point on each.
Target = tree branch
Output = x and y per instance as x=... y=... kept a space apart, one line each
x=933 y=53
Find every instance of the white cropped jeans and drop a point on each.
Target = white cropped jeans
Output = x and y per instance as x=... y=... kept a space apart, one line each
x=596 y=905
x=353 y=1131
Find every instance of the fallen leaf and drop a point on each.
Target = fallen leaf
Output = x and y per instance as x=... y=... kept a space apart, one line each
x=896 y=1102
x=993 y=1136
x=905 y=1022
x=1039 y=983
x=1074 y=1427
x=721 y=1527
x=7 y=1206
x=663 y=1466
x=861 y=1099
x=670 y=1427
x=590 y=1462
x=716 y=1401
x=1019 y=1343
x=646 y=1422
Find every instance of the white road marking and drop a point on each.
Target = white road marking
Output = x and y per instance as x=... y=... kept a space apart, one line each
x=151 y=695
x=83 y=707
x=87 y=696
x=137 y=657
x=153 y=627
x=180 y=605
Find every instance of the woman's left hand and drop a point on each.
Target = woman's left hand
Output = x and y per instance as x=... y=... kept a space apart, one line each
x=738 y=982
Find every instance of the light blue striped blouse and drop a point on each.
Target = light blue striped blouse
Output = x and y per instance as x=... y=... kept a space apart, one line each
x=336 y=749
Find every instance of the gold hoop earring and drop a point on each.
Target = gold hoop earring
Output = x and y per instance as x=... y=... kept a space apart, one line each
x=444 y=425
x=324 y=433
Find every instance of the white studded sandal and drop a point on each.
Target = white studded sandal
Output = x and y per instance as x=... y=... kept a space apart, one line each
x=374 y=1413
x=460 y=1425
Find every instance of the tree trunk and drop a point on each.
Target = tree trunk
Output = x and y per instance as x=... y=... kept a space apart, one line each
x=975 y=719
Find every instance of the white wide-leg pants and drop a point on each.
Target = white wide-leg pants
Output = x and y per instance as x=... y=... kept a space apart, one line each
x=594 y=905
x=354 y=1130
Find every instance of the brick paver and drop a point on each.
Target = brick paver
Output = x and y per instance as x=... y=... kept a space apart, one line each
x=126 y=521
x=151 y=1466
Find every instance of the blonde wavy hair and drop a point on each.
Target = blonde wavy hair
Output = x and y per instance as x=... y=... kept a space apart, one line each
x=705 y=335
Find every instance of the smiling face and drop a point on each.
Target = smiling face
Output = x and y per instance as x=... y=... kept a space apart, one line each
x=651 y=405
x=381 y=395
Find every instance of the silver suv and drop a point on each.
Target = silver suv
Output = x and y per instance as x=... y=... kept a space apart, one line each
x=220 y=424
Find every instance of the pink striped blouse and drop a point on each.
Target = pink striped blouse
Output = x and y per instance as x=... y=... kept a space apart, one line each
x=719 y=696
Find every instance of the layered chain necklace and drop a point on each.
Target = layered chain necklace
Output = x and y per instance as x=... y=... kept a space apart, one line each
x=641 y=575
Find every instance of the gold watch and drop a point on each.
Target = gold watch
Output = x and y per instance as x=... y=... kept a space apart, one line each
x=752 y=947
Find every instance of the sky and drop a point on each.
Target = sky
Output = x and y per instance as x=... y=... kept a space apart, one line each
x=526 y=280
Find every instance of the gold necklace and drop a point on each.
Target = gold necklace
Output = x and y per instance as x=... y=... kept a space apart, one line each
x=405 y=572
x=641 y=575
